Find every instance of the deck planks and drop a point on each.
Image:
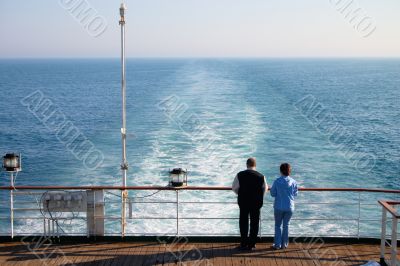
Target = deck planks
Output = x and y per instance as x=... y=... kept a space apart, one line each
x=186 y=253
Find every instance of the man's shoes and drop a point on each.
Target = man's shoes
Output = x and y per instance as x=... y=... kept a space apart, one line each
x=275 y=247
x=251 y=248
x=246 y=247
x=242 y=247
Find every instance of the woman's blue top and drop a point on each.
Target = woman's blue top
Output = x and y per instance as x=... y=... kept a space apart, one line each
x=284 y=189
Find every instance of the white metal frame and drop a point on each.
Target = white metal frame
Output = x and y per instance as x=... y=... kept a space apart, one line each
x=386 y=207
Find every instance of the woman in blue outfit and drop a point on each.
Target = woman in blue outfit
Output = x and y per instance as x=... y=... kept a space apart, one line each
x=284 y=189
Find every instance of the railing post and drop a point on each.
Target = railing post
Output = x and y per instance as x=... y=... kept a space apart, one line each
x=12 y=206
x=53 y=228
x=394 y=242
x=44 y=227
x=359 y=214
x=94 y=210
x=58 y=231
x=177 y=213
x=49 y=228
x=124 y=196
x=383 y=235
x=130 y=209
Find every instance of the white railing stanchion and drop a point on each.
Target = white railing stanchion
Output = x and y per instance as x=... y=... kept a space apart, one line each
x=359 y=214
x=387 y=206
x=177 y=213
x=393 y=243
x=94 y=212
x=48 y=228
x=44 y=227
x=52 y=228
x=383 y=234
x=12 y=206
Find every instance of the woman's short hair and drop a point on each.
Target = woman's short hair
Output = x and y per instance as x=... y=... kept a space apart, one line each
x=285 y=169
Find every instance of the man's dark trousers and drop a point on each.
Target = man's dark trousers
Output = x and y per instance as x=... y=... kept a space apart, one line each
x=254 y=213
x=250 y=200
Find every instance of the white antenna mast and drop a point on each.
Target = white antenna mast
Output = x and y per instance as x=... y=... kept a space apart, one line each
x=124 y=163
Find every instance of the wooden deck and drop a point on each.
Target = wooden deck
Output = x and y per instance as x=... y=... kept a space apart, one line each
x=313 y=252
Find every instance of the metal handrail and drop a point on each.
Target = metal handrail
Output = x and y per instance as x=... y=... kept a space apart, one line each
x=387 y=207
x=376 y=190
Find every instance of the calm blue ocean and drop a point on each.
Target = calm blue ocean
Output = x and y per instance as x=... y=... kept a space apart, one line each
x=335 y=120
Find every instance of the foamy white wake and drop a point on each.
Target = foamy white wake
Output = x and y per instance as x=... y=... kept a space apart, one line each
x=212 y=156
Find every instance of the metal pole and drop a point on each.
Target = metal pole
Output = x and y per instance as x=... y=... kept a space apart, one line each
x=359 y=215
x=12 y=205
x=394 y=242
x=94 y=213
x=48 y=228
x=383 y=235
x=53 y=228
x=124 y=163
x=177 y=213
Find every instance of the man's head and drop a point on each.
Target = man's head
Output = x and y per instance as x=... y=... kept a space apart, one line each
x=251 y=162
x=285 y=169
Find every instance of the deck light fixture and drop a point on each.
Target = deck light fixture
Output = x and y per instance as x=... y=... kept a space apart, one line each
x=12 y=162
x=177 y=177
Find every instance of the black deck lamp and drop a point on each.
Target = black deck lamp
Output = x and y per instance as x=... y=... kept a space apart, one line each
x=12 y=162
x=178 y=177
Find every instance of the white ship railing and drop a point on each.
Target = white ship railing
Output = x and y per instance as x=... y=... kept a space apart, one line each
x=21 y=208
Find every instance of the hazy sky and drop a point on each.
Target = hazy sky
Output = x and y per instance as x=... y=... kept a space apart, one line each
x=201 y=28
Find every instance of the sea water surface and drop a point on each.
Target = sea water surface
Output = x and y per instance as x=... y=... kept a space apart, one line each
x=335 y=120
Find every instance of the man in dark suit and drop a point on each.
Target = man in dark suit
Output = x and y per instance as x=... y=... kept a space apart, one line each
x=250 y=186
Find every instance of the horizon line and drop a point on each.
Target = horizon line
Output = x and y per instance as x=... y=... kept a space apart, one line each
x=204 y=57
